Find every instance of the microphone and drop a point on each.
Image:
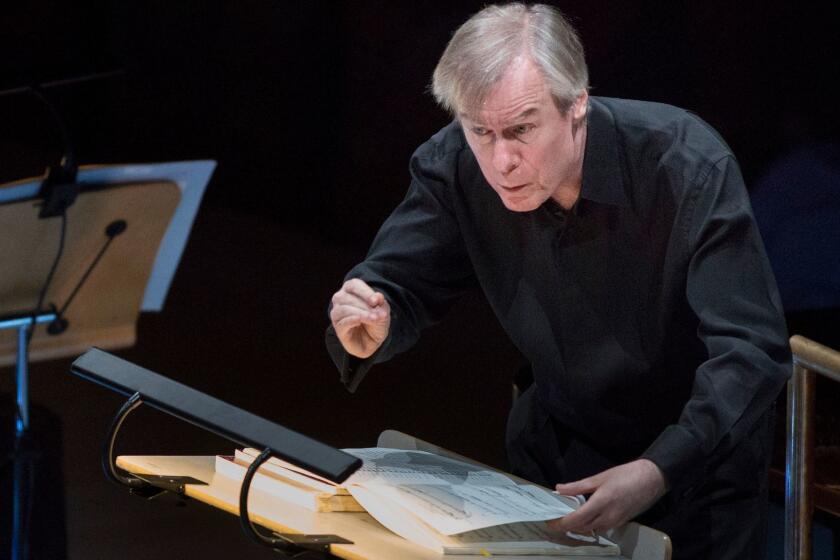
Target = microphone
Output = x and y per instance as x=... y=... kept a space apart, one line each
x=60 y=324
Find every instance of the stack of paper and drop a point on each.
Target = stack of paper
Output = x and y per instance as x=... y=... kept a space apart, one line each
x=443 y=504
x=288 y=483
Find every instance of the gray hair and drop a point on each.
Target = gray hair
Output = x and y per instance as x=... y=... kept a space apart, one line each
x=485 y=45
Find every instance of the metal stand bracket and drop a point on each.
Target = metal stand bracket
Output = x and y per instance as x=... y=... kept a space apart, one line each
x=293 y=545
x=318 y=543
x=163 y=483
x=144 y=486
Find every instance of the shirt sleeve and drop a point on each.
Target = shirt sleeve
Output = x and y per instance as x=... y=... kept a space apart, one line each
x=731 y=289
x=417 y=260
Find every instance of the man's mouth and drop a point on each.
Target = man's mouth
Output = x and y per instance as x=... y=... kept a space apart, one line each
x=514 y=188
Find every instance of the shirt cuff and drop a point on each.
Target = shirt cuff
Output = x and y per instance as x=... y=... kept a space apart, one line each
x=351 y=368
x=680 y=457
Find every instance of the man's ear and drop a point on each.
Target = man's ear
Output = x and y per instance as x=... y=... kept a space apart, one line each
x=580 y=106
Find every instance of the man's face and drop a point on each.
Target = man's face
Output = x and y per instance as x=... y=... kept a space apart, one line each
x=525 y=147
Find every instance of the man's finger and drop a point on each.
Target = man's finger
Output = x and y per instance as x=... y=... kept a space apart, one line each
x=347 y=304
x=346 y=323
x=371 y=316
x=564 y=525
x=342 y=310
x=359 y=288
x=585 y=486
x=596 y=525
x=344 y=296
x=578 y=520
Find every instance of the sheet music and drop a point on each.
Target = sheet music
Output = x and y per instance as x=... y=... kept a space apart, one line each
x=397 y=466
x=450 y=495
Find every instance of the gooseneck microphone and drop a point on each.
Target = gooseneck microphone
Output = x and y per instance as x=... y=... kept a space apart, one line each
x=60 y=323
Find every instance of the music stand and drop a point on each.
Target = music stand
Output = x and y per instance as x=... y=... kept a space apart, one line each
x=120 y=244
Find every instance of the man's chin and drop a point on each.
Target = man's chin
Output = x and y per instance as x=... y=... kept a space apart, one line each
x=523 y=204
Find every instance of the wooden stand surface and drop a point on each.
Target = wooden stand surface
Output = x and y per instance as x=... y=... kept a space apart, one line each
x=371 y=541
x=104 y=312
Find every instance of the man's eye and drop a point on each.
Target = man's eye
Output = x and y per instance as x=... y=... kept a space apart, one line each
x=521 y=129
x=483 y=136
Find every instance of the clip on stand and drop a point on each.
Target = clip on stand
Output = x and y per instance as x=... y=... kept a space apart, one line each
x=144 y=486
x=293 y=544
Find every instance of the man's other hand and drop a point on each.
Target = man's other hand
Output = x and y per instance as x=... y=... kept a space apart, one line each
x=361 y=318
x=618 y=495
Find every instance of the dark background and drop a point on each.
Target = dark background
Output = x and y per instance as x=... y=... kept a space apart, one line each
x=312 y=110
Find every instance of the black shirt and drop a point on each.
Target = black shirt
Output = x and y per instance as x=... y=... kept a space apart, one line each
x=648 y=312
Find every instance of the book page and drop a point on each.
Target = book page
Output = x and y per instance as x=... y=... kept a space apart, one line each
x=400 y=521
x=532 y=533
x=451 y=496
x=512 y=539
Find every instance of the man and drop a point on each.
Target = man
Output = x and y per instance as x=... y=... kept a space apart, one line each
x=615 y=243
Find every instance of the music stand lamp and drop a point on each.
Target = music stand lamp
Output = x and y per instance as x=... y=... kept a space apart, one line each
x=218 y=417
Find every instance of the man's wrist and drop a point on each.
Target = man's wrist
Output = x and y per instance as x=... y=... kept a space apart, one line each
x=656 y=474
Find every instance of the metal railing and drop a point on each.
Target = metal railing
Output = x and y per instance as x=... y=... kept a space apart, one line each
x=809 y=359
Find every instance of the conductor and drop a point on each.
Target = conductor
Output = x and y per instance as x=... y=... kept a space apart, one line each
x=615 y=243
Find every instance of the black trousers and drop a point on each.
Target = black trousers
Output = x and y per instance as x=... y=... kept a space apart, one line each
x=723 y=516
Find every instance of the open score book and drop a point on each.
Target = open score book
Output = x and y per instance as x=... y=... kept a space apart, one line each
x=449 y=506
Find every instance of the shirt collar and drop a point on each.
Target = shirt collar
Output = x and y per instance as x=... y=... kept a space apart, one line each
x=603 y=180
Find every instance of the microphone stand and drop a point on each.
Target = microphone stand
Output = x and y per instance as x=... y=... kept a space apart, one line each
x=23 y=460
x=58 y=191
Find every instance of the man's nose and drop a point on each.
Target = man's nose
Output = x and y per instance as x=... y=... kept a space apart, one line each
x=505 y=156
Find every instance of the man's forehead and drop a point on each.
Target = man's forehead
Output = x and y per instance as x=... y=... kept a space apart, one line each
x=522 y=89
x=484 y=115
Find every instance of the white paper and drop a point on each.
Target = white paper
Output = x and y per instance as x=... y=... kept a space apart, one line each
x=528 y=532
x=449 y=495
x=398 y=466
